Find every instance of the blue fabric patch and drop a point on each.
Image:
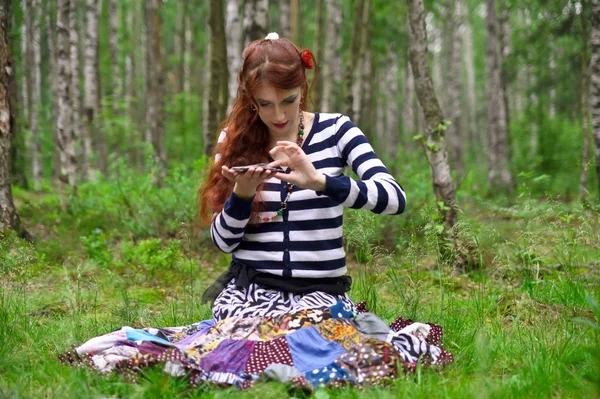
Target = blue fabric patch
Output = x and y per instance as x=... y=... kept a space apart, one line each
x=141 y=335
x=338 y=311
x=323 y=375
x=310 y=350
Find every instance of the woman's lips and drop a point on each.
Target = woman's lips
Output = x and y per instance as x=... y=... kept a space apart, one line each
x=280 y=125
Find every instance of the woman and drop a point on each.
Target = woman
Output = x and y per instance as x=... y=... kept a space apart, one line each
x=281 y=310
x=284 y=228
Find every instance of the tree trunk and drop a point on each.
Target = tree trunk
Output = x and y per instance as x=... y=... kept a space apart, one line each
x=36 y=94
x=66 y=139
x=113 y=15
x=392 y=134
x=52 y=60
x=505 y=50
x=585 y=107
x=25 y=58
x=294 y=11
x=433 y=140
x=469 y=62
x=595 y=78
x=318 y=51
x=363 y=69
x=255 y=20
x=91 y=93
x=284 y=18
x=217 y=69
x=188 y=55
x=9 y=219
x=155 y=88
x=499 y=176
x=408 y=108
x=331 y=57
x=353 y=59
x=234 y=48
x=75 y=90
x=454 y=134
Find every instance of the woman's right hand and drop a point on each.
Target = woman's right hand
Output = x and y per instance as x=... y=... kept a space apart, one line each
x=246 y=182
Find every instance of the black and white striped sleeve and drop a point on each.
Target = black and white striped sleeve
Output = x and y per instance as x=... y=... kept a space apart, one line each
x=377 y=190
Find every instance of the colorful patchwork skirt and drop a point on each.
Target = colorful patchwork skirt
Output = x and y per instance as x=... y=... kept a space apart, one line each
x=307 y=341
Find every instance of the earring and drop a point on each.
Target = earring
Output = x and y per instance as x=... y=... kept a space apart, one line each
x=253 y=108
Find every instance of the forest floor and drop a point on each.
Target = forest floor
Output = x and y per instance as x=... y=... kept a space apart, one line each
x=523 y=321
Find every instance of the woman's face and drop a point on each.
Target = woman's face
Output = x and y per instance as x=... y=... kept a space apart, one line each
x=279 y=109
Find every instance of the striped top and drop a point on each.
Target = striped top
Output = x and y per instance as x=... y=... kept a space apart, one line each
x=306 y=241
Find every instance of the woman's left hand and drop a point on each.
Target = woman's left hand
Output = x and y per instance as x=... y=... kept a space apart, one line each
x=303 y=172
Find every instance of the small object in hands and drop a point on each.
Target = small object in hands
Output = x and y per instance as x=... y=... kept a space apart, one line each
x=263 y=166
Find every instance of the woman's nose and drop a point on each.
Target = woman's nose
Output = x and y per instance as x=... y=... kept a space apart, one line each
x=279 y=113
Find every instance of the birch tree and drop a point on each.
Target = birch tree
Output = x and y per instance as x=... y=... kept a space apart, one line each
x=113 y=41
x=9 y=219
x=217 y=71
x=51 y=63
x=90 y=74
x=155 y=88
x=585 y=106
x=350 y=71
x=318 y=50
x=233 y=29
x=499 y=176
x=75 y=89
x=284 y=18
x=391 y=106
x=595 y=79
x=64 y=120
x=433 y=138
x=36 y=94
x=408 y=99
x=25 y=58
x=454 y=134
x=256 y=13
x=331 y=55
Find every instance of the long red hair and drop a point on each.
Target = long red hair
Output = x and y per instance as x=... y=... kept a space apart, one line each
x=277 y=63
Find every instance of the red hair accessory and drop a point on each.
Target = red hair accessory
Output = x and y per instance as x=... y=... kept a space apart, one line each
x=307 y=58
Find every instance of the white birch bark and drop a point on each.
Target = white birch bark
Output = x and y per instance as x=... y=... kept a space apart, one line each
x=50 y=36
x=113 y=41
x=392 y=134
x=9 y=219
x=331 y=58
x=66 y=139
x=75 y=89
x=188 y=55
x=90 y=88
x=408 y=106
x=469 y=63
x=595 y=81
x=284 y=18
x=255 y=20
x=36 y=93
x=25 y=58
x=499 y=176
x=233 y=31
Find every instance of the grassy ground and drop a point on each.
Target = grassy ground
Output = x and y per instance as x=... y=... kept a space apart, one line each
x=523 y=321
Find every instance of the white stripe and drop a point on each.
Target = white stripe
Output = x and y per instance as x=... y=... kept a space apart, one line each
x=353 y=195
x=270 y=196
x=393 y=200
x=221 y=244
x=317 y=256
x=271 y=271
x=347 y=137
x=221 y=136
x=223 y=232
x=316 y=235
x=320 y=273
x=235 y=223
x=359 y=150
x=303 y=195
x=322 y=135
x=259 y=255
x=372 y=195
x=311 y=214
x=273 y=236
x=333 y=171
x=368 y=164
x=329 y=152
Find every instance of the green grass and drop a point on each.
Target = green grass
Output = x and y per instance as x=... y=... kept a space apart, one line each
x=523 y=321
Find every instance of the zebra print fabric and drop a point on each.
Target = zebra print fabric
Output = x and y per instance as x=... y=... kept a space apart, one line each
x=260 y=301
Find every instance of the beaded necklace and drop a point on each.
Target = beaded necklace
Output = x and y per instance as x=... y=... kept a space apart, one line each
x=284 y=203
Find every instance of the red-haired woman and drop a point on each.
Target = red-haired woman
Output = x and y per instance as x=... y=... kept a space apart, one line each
x=284 y=227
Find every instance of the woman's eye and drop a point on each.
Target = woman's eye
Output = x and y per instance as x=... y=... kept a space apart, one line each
x=263 y=105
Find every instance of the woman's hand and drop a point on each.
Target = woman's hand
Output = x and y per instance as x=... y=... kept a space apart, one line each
x=246 y=182
x=303 y=173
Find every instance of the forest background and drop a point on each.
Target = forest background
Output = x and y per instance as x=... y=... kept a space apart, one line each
x=113 y=110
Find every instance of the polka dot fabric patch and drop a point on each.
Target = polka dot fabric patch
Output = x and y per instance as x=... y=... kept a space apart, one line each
x=266 y=353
